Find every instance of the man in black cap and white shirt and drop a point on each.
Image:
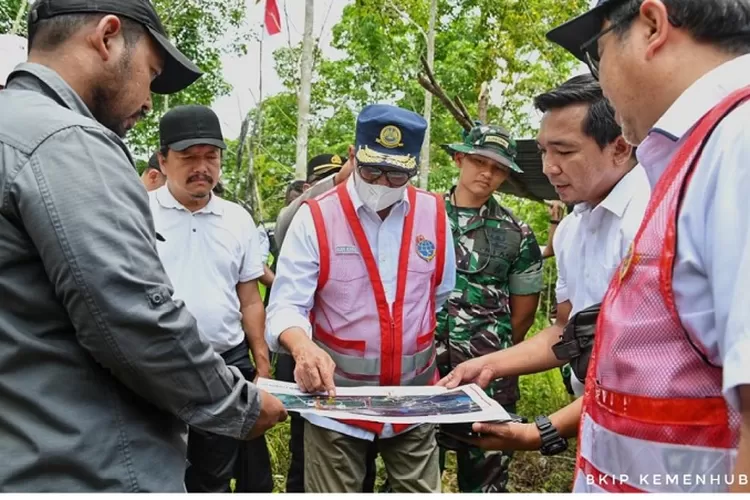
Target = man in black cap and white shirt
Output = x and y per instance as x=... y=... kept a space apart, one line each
x=212 y=254
x=101 y=368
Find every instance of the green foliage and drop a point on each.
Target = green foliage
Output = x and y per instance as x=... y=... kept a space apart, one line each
x=197 y=28
x=8 y=13
x=382 y=40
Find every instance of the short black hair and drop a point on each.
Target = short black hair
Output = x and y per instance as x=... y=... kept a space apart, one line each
x=295 y=186
x=49 y=34
x=153 y=162
x=600 y=123
x=722 y=23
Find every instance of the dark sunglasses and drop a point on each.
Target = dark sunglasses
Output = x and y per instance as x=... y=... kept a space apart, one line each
x=590 y=48
x=396 y=178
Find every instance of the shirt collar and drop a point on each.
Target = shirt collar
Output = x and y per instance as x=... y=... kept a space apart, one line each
x=701 y=96
x=167 y=200
x=620 y=196
x=39 y=78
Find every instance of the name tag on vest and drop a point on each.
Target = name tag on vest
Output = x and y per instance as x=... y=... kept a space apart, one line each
x=347 y=249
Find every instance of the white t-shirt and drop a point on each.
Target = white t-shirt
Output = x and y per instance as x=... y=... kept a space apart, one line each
x=206 y=254
x=591 y=242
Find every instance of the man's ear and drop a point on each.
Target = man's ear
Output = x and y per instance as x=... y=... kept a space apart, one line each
x=457 y=157
x=103 y=37
x=621 y=151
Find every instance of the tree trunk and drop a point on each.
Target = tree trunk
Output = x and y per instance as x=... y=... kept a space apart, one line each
x=484 y=102
x=304 y=92
x=424 y=164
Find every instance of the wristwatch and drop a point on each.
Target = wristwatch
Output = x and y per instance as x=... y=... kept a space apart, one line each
x=552 y=442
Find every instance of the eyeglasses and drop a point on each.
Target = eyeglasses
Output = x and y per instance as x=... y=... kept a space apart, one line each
x=396 y=178
x=590 y=48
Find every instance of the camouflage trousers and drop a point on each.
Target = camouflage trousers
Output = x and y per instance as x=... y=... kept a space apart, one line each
x=481 y=471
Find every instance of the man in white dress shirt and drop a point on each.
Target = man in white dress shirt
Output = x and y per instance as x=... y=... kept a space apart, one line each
x=673 y=330
x=211 y=252
x=361 y=273
x=593 y=168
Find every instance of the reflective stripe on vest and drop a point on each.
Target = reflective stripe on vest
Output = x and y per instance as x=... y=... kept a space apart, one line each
x=653 y=412
x=356 y=365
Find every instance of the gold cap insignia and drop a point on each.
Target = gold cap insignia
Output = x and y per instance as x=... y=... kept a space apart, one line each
x=369 y=156
x=390 y=137
x=336 y=160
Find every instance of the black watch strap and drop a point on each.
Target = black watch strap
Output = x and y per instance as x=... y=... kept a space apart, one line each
x=552 y=442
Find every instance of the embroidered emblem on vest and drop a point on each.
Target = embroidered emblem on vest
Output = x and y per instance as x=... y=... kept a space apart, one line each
x=425 y=248
x=346 y=249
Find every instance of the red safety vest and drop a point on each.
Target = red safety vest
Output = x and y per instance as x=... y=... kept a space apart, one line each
x=371 y=343
x=654 y=418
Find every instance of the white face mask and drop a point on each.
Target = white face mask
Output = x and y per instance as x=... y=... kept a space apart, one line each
x=375 y=196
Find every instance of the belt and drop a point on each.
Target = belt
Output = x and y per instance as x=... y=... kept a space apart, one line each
x=236 y=353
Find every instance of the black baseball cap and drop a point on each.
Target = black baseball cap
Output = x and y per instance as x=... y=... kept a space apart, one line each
x=573 y=34
x=178 y=73
x=323 y=165
x=189 y=125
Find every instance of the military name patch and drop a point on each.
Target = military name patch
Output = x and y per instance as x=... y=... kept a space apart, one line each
x=346 y=249
x=425 y=248
x=496 y=140
x=390 y=137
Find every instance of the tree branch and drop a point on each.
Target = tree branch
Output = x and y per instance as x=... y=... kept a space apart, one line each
x=429 y=83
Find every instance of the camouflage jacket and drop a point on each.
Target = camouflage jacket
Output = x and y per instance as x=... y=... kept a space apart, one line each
x=496 y=256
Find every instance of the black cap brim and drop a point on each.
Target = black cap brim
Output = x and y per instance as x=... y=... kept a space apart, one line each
x=179 y=72
x=579 y=30
x=183 y=145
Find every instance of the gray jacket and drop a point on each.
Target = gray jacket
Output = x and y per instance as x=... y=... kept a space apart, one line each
x=287 y=213
x=100 y=369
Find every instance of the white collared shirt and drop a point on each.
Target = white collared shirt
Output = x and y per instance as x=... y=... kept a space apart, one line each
x=206 y=254
x=591 y=242
x=712 y=268
x=293 y=291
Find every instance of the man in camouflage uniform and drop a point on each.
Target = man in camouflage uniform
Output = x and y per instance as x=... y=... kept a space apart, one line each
x=499 y=279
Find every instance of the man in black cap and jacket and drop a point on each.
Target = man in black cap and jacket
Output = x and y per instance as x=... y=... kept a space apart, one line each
x=101 y=368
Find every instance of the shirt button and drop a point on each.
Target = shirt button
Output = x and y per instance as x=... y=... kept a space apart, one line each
x=193 y=230
x=158 y=299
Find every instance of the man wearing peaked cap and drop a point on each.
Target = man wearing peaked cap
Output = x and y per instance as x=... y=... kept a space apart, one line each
x=323 y=172
x=107 y=369
x=362 y=272
x=322 y=166
x=499 y=280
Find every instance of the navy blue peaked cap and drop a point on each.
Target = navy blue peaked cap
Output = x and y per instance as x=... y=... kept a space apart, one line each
x=389 y=136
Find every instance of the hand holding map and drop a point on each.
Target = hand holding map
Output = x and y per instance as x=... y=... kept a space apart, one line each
x=393 y=405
